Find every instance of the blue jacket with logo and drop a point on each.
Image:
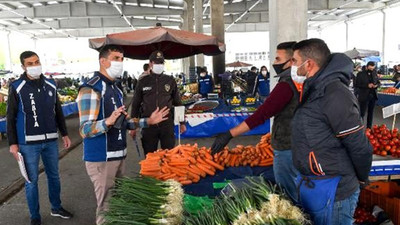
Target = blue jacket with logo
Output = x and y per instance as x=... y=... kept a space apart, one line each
x=112 y=144
x=262 y=85
x=33 y=111
x=205 y=85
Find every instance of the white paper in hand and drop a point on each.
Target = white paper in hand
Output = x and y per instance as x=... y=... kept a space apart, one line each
x=21 y=164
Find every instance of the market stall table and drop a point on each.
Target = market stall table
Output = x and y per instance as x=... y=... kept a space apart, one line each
x=385 y=166
x=387 y=99
x=219 y=120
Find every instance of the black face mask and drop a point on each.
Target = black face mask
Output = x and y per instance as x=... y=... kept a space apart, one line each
x=279 y=67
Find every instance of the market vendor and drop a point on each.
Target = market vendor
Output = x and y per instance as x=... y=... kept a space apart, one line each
x=281 y=104
x=330 y=148
x=100 y=103
x=206 y=83
x=261 y=86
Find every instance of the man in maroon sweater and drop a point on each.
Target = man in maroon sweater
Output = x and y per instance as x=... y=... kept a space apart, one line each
x=281 y=103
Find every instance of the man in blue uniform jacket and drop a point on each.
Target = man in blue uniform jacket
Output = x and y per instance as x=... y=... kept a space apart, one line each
x=34 y=115
x=206 y=83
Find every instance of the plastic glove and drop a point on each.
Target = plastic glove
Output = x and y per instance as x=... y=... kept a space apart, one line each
x=221 y=141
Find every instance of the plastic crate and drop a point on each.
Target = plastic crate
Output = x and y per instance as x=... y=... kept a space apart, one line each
x=384 y=194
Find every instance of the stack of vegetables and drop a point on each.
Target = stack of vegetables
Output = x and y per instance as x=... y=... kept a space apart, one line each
x=390 y=90
x=384 y=141
x=68 y=94
x=188 y=163
x=144 y=201
x=260 y=203
x=3 y=109
x=184 y=163
x=260 y=155
x=363 y=216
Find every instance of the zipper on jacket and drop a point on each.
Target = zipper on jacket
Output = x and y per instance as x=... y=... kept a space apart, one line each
x=157 y=93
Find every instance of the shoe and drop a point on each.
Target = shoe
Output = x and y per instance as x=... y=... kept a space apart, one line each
x=36 y=222
x=61 y=213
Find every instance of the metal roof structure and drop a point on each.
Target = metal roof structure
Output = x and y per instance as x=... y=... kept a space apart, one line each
x=93 y=18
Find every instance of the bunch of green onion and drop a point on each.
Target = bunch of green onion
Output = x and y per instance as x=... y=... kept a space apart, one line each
x=145 y=200
x=260 y=203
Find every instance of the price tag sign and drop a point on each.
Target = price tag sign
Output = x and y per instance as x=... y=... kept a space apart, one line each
x=391 y=110
x=179 y=114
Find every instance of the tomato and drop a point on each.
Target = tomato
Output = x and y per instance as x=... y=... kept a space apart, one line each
x=389 y=136
x=391 y=143
x=373 y=141
x=393 y=151
x=395 y=140
x=379 y=136
x=395 y=130
x=375 y=126
x=387 y=147
x=383 y=153
x=371 y=136
x=398 y=151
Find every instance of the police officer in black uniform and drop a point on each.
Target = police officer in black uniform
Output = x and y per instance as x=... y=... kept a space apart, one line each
x=152 y=91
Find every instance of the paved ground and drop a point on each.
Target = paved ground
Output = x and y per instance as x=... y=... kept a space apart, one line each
x=77 y=191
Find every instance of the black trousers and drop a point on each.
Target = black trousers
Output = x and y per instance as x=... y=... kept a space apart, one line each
x=152 y=135
x=370 y=105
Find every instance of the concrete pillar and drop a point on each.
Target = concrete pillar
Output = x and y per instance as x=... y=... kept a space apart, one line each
x=185 y=61
x=35 y=43
x=218 y=30
x=8 y=65
x=198 y=15
x=190 y=12
x=288 y=22
x=383 y=37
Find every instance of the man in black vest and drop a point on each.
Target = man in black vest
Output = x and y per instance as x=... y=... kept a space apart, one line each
x=281 y=103
x=367 y=82
x=330 y=149
x=34 y=114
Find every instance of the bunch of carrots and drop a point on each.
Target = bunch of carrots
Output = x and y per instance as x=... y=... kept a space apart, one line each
x=184 y=163
x=260 y=155
x=188 y=163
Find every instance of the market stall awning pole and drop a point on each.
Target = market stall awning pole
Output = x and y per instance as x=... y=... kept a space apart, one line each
x=394 y=121
x=383 y=36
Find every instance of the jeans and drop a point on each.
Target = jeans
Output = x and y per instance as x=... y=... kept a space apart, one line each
x=285 y=173
x=49 y=153
x=343 y=210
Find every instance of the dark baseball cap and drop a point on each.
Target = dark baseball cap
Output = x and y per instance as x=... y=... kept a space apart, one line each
x=157 y=57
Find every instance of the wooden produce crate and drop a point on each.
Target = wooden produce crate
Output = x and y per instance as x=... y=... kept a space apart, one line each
x=386 y=195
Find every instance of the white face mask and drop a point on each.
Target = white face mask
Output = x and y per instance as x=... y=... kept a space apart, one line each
x=115 y=70
x=34 y=71
x=158 y=68
x=202 y=74
x=264 y=73
x=295 y=77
